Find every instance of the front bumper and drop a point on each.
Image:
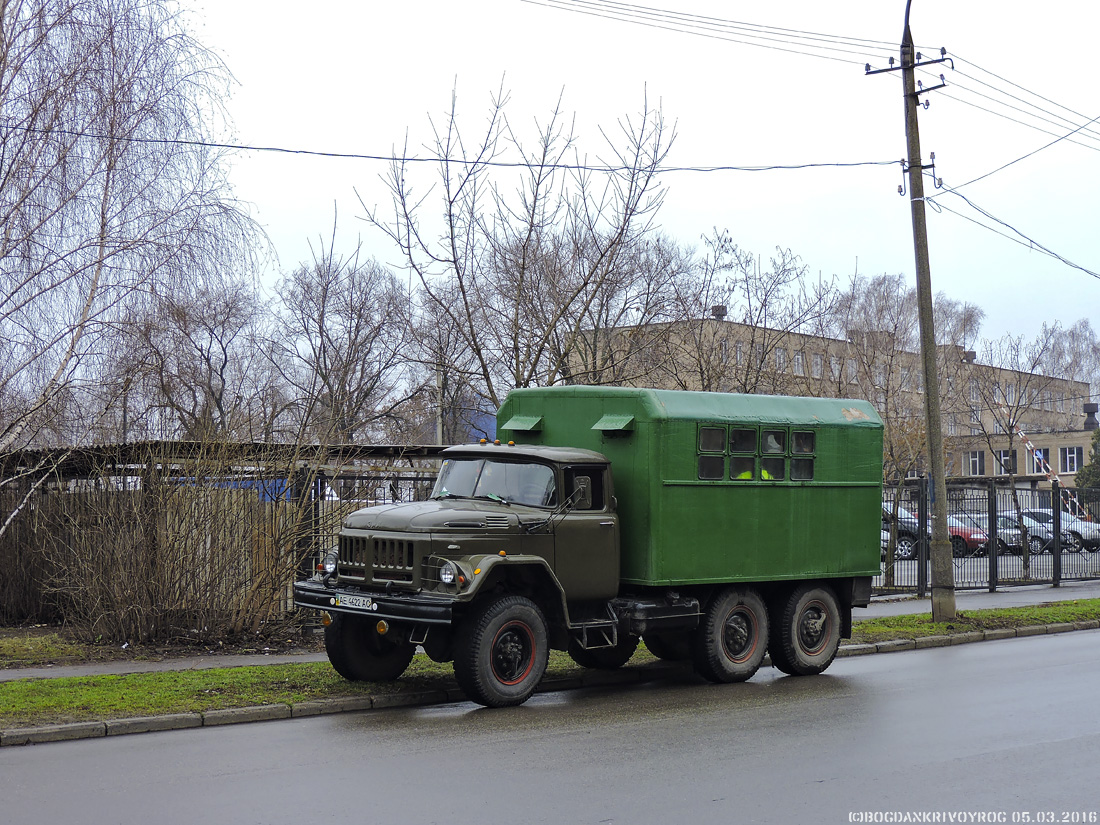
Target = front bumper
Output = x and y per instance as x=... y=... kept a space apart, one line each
x=398 y=607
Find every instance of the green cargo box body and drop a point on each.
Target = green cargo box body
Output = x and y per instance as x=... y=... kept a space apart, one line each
x=679 y=529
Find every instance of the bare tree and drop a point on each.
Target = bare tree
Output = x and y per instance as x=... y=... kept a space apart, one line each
x=517 y=273
x=190 y=363
x=735 y=323
x=1010 y=401
x=108 y=191
x=342 y=335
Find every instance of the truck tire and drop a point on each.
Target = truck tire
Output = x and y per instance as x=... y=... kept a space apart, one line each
x=732 y=638
x=604 y=658
x=805 y=630
x=502 y=652
x=670 y=645
x=359 y=654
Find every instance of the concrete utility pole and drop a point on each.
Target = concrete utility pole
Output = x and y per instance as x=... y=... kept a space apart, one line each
x=943 y=574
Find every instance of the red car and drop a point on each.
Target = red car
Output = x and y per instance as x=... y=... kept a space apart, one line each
x=966 y=539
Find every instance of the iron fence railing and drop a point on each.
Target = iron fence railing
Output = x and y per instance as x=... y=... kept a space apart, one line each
x=1034 y=541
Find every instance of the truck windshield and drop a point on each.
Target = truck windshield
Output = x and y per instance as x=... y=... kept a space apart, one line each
x=514 y=482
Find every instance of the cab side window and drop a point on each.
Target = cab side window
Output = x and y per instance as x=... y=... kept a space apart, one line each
x=586 y=487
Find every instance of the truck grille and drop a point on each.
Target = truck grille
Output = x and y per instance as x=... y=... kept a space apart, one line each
x=393 y=559
x=386 y=559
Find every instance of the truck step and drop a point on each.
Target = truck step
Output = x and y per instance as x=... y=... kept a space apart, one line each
x=591 y=635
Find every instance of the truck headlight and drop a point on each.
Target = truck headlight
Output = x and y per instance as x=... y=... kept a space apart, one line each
x=328 y=564
x=448 y=573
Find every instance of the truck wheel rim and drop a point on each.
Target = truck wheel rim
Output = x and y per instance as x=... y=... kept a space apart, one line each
x=738 y=636
x=813 y=627
x=513 y=653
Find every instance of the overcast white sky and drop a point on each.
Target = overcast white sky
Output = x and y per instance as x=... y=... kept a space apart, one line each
x=355 y=77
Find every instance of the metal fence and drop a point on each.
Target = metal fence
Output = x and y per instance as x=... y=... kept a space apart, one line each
x=1036 y=536
x=173 y=539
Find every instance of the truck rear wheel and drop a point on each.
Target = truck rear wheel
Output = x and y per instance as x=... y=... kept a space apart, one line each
x=604 y=658
x=502 y=652
x=732 y=637
x=669 y=645
x=805 y=633
x=360 y=654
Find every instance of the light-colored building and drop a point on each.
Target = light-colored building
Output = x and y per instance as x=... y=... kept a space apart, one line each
x=981 y=404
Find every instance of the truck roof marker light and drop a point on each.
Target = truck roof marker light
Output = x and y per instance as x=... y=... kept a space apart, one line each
x=503 y=553
x=511 y=444
x=484 y=441
x=496 y=441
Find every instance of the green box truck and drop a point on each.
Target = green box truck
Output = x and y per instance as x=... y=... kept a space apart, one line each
x=715 y=527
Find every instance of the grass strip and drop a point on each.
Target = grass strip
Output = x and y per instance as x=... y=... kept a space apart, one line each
x=917 y=626
x=28 y=702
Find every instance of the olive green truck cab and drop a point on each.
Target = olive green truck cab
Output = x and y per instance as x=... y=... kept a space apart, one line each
x=715 y=527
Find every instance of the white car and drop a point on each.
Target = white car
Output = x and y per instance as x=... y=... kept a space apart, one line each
x=1085 y=535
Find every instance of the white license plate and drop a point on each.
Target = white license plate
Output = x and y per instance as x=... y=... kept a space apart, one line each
x=362 y=602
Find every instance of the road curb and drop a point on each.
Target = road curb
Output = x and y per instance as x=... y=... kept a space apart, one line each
x=343 y=704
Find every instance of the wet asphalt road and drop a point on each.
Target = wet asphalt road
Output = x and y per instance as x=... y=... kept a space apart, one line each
x=1007 y=726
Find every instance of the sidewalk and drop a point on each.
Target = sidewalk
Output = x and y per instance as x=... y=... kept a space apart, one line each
x=983 y=599
x=881 y=606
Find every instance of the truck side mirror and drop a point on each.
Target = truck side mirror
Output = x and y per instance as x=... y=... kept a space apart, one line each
x=583 y=493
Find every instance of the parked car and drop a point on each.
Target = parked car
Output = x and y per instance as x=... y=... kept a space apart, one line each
x=1084 y=535
x=1009 y=537
x=908 y=530
x=966 y=539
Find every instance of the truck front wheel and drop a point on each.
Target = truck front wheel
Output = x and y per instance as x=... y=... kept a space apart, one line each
x=805 y=631
x=733 y=636
x=502 y=652
x=360 y=654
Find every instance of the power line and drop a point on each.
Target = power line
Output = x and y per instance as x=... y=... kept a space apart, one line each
x=1024 y=157
x=1030 y=242
x=400 y=159
x=720 y=29
x=800 y=42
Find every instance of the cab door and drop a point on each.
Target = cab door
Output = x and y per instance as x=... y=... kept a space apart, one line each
x=586 y=536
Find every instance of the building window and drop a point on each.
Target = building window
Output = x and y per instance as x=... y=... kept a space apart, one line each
x=952 y=425
x=1006 y=461
x=817 y=364
x=1010 y=393
x=1070 y=458
x=724 y=350
x=798 y=364
x=853 y=371
x=739 y=352
x=903 y=379
x=834 y=367
x=781 y=359
x=1040 y=461
x=976 y=462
